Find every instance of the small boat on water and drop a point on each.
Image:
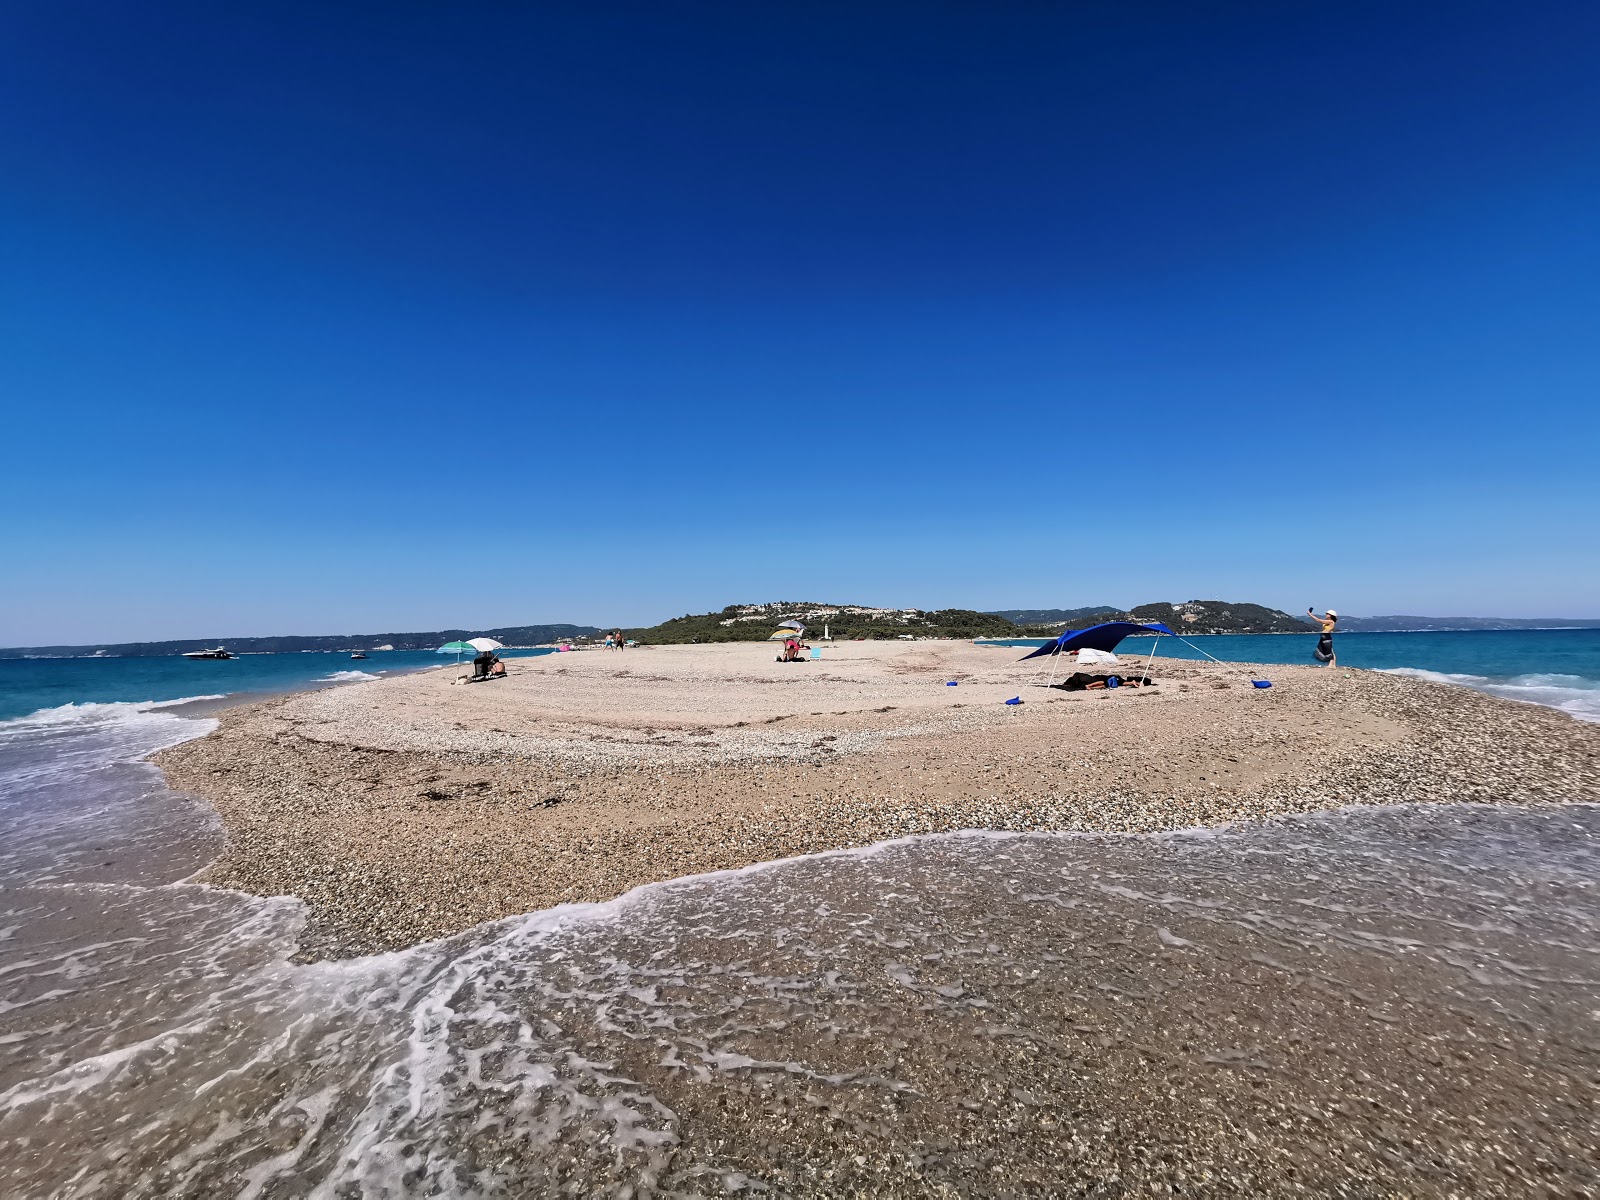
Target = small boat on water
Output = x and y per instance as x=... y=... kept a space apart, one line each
x=358 y=654
x=218 y=652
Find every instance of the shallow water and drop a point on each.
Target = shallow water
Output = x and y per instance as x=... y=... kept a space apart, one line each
x=1403 y=995
x=38 y=685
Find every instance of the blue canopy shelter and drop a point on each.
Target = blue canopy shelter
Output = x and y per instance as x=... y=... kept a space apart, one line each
x=1096 y=637
x=1108 y=636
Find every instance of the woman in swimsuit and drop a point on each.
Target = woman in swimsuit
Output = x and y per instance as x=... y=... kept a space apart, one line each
x=1324 y=652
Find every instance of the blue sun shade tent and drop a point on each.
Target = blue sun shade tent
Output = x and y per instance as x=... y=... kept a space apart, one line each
x=1096 y=637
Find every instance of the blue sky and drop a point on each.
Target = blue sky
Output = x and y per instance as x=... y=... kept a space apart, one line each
x=399 y=316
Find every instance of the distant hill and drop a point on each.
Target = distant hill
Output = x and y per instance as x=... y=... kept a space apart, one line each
x=1052 y=616
x=511 y=635
x=1193 y=616
x=756 y=622
x=1407 y=624
x=1218 y=616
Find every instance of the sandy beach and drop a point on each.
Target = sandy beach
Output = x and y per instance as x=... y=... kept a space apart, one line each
x=414 y=807
x=1263 y=991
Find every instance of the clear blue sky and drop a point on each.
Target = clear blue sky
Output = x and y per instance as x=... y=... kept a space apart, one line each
x=339 y=317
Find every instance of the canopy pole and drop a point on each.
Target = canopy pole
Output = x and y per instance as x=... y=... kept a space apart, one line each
x=1052 y=657
x=1046 y=660
x=1039 y=670
x=1156 y=641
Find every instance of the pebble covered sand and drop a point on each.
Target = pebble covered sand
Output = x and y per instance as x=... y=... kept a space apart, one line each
x=409 y=808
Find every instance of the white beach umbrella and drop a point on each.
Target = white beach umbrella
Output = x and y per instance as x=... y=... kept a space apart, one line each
x=481 y=644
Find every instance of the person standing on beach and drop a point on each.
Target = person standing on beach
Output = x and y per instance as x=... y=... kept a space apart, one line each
x=1324 y=651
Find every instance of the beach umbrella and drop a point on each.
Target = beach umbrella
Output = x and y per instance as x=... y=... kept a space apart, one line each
x=483 y=643
x=786 y=630
x=458 y=649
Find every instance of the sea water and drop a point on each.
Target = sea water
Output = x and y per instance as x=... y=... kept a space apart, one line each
x=1559 y=668
x=28 y=685
x=722 y=1033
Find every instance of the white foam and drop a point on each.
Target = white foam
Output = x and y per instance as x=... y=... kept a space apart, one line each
x=73 y=739
x=69 y=715
x=1433 y=676
x=346 y=677
x=1575 y=695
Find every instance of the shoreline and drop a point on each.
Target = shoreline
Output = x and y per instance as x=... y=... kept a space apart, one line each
x=407 y=808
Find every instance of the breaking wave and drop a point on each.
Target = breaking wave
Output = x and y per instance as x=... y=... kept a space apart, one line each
x=80 y=715
x=72 y=739
x=1576 y=695
x=346 y=677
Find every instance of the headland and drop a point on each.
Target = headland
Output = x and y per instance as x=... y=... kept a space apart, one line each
x=410 y=808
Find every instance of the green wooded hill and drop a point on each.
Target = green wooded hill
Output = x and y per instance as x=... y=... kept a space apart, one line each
x=1054 y=616
x=756 y=622
x=1193 y=616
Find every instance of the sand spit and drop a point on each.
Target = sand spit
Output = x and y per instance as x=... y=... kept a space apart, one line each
x=410 y=808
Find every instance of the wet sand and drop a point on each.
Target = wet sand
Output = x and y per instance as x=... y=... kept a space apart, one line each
x=410 y=808
x=1364 y=1001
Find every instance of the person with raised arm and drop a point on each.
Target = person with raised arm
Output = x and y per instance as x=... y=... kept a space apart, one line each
x=1324 y=651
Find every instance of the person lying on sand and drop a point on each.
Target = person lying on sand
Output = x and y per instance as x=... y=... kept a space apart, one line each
x=1083 y=681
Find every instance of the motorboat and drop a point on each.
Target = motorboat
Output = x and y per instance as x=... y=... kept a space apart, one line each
x=217 y=652
x=358 y=654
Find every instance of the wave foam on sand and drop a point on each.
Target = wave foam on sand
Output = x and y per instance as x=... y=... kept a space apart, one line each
x=760 y=1025
x=72 y=739
x=1572 y=694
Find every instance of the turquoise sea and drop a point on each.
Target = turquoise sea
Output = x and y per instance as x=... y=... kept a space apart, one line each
x=1555 y=667
x=1559 y=668
x=30 y=685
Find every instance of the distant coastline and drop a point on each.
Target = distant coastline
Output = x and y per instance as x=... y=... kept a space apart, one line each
x=1212 y=617
x=519 y=636
x=1413 y=624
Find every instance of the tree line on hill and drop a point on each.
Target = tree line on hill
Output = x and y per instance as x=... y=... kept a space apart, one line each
x=1193 y=616
x=736 y=623
x=756 y=623
x=1216 y=616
